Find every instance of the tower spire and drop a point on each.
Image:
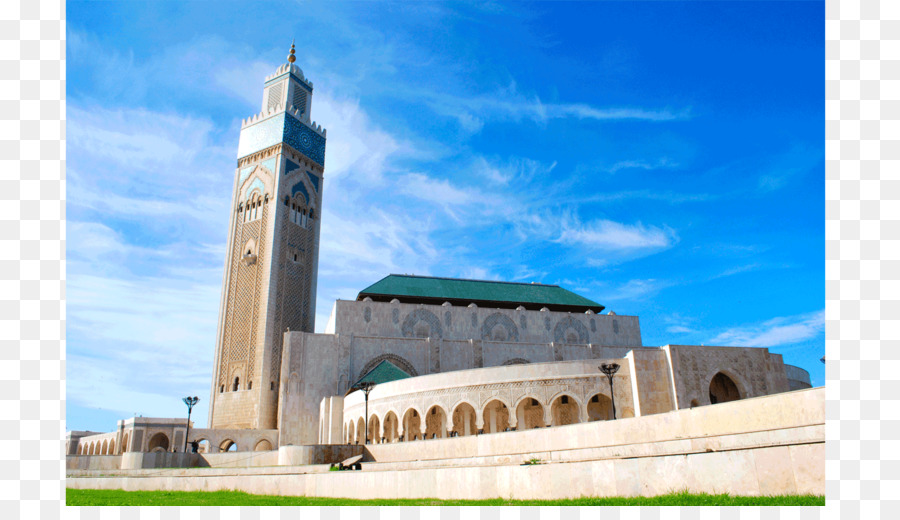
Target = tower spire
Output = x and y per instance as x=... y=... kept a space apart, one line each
x=291 y=57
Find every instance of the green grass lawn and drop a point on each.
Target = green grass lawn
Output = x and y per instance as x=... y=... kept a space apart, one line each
x=117 y=497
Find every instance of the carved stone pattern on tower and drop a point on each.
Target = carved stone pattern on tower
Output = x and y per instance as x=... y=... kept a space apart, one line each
x=294 y=285
x=447 y=319
x=304 y=139
x=409 y=323
x=257 y=333
x=244 y=297
x=512 y=332
x=566 y=324
x=395 y=316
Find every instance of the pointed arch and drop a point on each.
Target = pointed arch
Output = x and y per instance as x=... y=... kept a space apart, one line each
x=401 y=363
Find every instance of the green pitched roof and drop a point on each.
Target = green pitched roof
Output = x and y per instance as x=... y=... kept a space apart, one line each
x=433 y=290
x=384 y=372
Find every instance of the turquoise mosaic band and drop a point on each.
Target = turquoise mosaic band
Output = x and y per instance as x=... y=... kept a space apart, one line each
x=282 y=128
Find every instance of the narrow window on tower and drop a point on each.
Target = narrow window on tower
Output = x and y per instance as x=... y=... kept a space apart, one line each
x=237 y=384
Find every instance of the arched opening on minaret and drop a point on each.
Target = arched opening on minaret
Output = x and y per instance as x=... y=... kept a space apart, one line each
x=237 y=384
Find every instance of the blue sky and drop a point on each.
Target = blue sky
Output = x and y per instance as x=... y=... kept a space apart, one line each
x=664 y=159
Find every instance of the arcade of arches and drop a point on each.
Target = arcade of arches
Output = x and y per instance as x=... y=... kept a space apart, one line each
x=463 y=420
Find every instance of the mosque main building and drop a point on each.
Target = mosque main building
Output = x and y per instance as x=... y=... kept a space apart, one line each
x=436 y=357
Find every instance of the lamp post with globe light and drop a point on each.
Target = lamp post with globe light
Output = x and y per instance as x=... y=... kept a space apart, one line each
x=366 y=387
x=610 y=369
x=190 y=402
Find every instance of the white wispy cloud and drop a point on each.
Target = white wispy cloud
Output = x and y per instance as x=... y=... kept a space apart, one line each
x=786 y=330
x=642 y=164
x=508 y=103
x=785 y=167
x=607 y=235
x=636 y=289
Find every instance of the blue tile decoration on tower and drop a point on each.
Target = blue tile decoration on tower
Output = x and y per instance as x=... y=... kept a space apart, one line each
x=256 y=184
x=290 y=166
x=304 y=139
x=302 y=189
x=285 y=128
x=269 y=165
x=314 y=180
x=244 y=173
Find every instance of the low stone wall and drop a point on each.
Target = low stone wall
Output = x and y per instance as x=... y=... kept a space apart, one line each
x=155 y=460
x=761 y=471
x=240 y=459
x=93 y=462
x=761 y=446
x=316 y=454
x=161 y=460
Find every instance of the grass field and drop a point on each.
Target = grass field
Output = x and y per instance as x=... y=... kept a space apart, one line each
x=117 y=497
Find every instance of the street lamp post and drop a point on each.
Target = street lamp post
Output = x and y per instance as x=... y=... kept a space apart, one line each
x=366 y=387
x=610 y=369
x=190 y=402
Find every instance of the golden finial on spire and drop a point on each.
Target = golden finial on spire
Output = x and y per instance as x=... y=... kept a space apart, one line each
x=291 y=57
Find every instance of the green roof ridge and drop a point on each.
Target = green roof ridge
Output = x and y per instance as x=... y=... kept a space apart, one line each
x=437 y=288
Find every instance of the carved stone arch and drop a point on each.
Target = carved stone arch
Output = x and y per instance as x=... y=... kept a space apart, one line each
x=255 y=184
x=263 y=170
x=421 y=315
x=545 y=409
x=464 y=400
x=433 y=404
x=515 y=361
x=236 y=371
x=579 y=400
x=530 y=395
x=569 y=329
x=457 y=405
x=416 y=407
x=739 y=382
x=497 y=319
x=401 y=363
x=500 y=398
x=392 y=410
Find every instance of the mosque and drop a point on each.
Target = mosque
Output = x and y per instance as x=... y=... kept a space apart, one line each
x=412 y=358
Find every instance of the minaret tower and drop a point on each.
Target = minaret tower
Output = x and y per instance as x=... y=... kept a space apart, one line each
x=269 y=284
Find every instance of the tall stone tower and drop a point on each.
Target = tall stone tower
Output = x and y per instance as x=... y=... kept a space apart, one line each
x=269 y=284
